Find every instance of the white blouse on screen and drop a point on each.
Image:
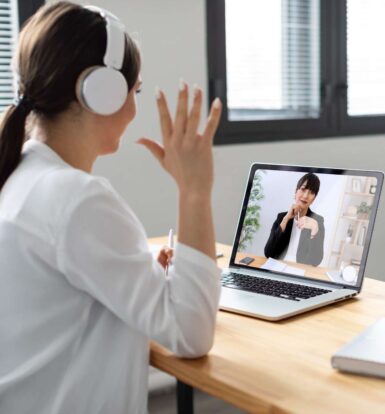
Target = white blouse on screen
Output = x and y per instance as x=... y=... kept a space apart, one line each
x=291 y=253
x=81 y=295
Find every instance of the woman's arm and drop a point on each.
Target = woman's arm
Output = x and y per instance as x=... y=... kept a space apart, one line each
x=277 y=241
x=187 y=156
x=102 y=250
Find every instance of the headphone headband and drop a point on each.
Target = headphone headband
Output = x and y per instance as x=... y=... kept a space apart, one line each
x=115 y=46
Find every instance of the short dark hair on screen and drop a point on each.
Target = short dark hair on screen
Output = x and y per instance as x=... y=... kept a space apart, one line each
x=311 y=182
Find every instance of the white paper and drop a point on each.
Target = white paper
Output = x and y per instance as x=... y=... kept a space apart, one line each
x=294 y=271
x=273 y=264
x=278 y=266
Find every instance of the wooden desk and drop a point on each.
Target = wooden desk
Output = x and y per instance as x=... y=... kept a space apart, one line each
x=284 y=367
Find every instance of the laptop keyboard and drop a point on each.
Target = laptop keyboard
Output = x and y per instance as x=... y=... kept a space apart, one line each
x=270 y=287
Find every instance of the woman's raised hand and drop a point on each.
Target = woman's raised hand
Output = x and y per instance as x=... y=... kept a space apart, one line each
x=293 y=211
x=186 y=154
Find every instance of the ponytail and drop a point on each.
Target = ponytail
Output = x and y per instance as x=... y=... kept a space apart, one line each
x=12 y=131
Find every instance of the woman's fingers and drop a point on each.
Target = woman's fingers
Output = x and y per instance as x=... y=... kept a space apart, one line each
x=183 y=156
x=162 y=259
x=156 y=149
x=296 y=211
x=181 y=111
x=292 y=210
x=300 y=225
x=165 y=256
x=187 y=124
x=213 y=120
x=164 y=115
x=170 y=253
x=195 y=114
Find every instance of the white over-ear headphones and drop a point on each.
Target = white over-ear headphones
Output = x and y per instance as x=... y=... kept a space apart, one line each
x=103 y=89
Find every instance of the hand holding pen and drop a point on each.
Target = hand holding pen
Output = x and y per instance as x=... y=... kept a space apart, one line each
x=166 y=254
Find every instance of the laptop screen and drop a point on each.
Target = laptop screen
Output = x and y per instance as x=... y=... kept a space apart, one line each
x=308 y=222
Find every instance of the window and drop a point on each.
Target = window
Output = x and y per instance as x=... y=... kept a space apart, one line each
x=13 y=13
x=288 y=69
x=366 y=64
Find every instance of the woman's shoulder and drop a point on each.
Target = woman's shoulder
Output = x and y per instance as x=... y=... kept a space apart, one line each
x=72 y=182
x=40 y=203
x=55 y=192
x=69 y=188
x=91 y=201
x=50 y=175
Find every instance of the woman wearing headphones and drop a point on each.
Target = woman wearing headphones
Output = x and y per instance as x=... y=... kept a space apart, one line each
x=80 y=294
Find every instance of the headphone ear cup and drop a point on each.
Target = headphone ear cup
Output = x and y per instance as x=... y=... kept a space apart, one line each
x=102 y=90
x=79 y=85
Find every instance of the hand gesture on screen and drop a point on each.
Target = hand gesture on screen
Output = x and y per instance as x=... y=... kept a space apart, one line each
x=294 y=212
x=308 y=223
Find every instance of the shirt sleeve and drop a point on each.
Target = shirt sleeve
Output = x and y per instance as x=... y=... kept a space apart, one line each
x=102 y=250
x=277 y=241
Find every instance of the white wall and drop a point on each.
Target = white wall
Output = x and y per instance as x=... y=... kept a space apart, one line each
x=173 y=42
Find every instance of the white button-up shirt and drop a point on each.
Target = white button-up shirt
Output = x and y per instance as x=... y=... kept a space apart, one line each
x=81 y=295
x=291 y=253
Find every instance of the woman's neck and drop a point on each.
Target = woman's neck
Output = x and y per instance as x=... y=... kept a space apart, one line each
x=70 y=139
x=304 y=212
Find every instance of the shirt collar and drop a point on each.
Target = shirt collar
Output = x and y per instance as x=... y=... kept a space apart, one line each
x=39 y=147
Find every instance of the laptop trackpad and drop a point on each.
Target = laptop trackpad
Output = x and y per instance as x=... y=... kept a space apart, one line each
x=255 y=304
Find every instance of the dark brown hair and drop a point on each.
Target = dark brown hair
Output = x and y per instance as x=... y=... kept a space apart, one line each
x=55 y=45
x=311 y=182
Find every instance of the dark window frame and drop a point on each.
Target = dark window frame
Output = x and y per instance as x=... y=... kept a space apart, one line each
x=333 y=120
x=27 y=9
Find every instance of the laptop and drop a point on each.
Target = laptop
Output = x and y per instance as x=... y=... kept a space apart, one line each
x=302 y=239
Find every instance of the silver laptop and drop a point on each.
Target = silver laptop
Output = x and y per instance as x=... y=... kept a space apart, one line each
x=302 y=239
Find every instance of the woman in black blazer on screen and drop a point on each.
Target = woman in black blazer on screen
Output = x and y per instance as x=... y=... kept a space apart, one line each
x=298 y=234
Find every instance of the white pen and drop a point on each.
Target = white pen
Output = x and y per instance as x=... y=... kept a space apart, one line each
x=171 y=239
x=170 y=245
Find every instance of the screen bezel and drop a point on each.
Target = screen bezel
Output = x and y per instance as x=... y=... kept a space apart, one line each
x=379 y=175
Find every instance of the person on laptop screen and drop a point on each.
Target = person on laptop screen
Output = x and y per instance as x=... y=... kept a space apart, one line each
x=297 y=235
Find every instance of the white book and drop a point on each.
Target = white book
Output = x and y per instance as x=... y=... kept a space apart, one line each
x=365 y=354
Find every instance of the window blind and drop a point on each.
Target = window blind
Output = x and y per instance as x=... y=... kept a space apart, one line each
x=9 y=28
x=365 y=57
x=273 y=59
